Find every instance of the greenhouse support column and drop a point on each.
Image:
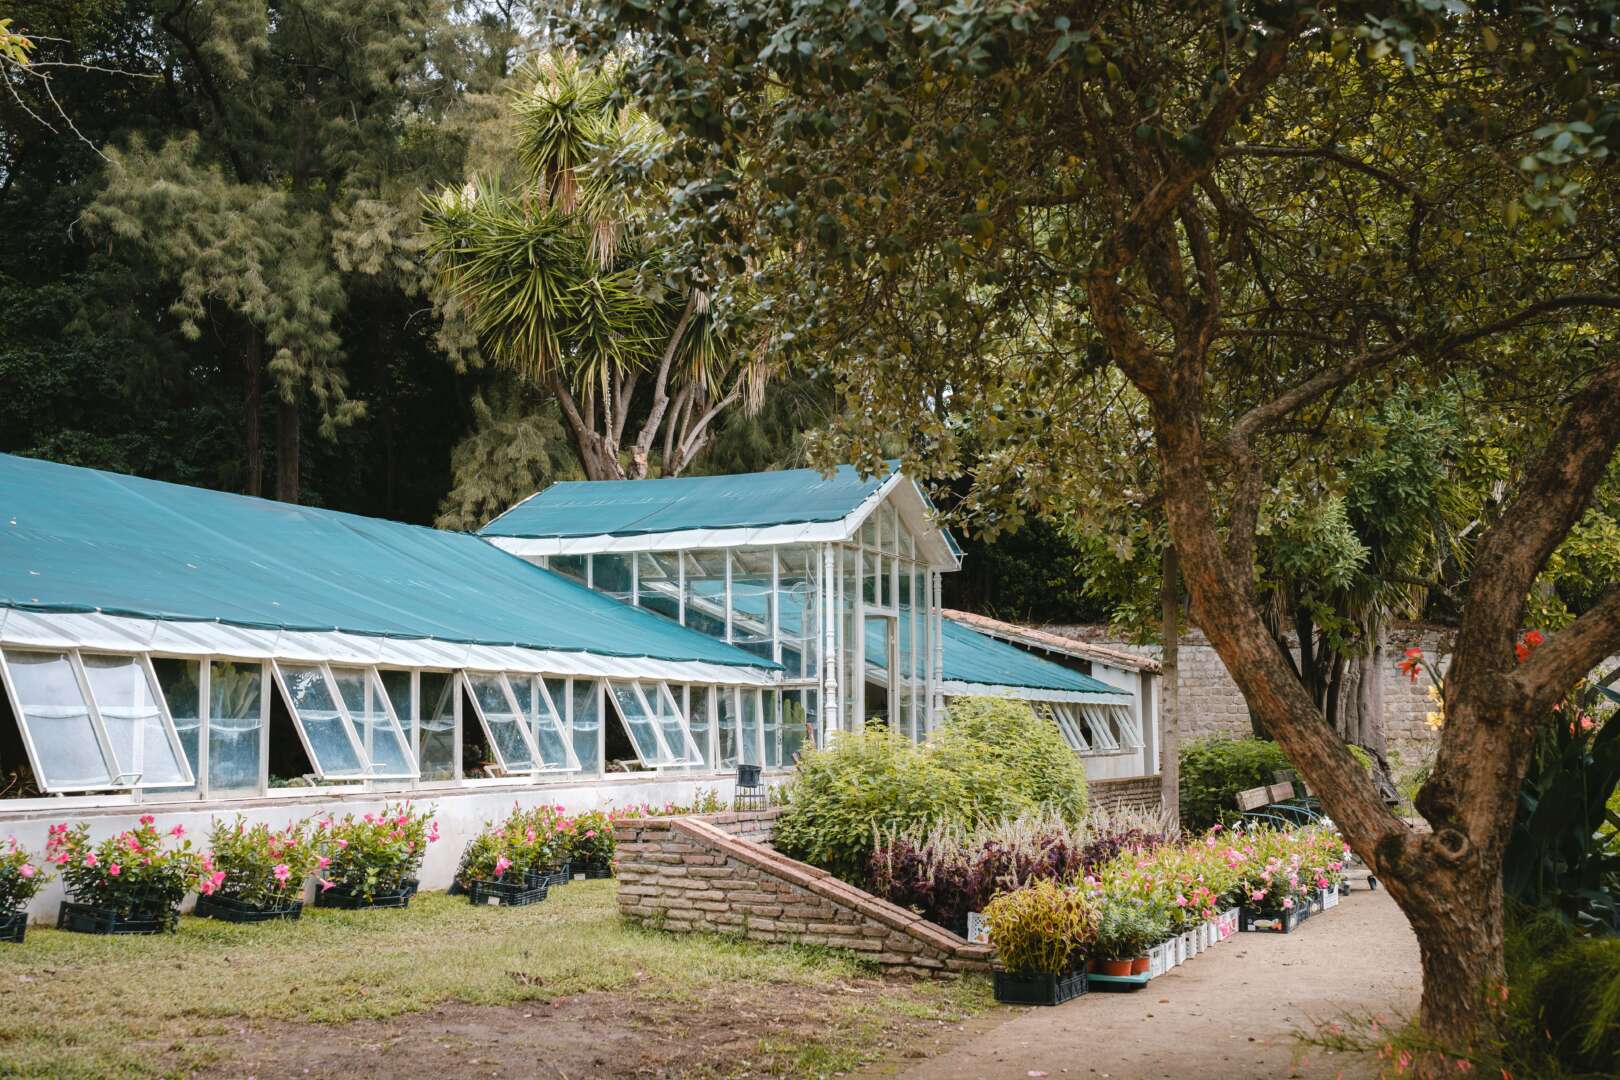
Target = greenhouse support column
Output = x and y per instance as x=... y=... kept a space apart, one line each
x=831 y=719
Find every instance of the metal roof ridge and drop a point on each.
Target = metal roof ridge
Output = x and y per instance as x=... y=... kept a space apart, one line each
x=1046 y=639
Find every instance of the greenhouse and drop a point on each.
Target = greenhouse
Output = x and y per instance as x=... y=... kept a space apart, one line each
x=160 y=643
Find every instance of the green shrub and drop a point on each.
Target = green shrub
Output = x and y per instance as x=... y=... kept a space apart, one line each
x=1002 y=745
x=988 y=763
x=1214 y=770
x=1042 y=929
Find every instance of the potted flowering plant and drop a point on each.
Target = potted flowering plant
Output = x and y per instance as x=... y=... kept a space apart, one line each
x=545 y=833
x=252 y=873
x=1272 y=890
x=1040 y=934
x=21 y=878
x=590 y=844
x=131 y=883
x=499 y=865
x=373 y=860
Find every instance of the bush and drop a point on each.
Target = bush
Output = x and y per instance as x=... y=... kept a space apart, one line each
x=992 y=761
x=257 y=866
x=1043 y=929
x=21 y=877
x=1004 y=746
x=591 y=838
x=1214 y=770
x=136 y=873
x=376 y=853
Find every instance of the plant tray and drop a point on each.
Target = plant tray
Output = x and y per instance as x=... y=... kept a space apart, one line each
x=547 y=878
x=227 y=909
x=505 y=893
x=594 y=870
x=1254 y=922
x=353 y=901
x=89 y=919
x=13 y=925
x=1117 y=984
x=1013 y=989
x=1159 y=960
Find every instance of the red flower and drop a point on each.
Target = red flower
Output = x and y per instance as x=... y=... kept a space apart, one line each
x=1412 y=664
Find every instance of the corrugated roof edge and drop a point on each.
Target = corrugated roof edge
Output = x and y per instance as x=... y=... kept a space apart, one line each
x=1025 y=635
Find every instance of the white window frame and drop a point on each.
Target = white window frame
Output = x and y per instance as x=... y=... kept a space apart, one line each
x=375 y=690
x=668 y=759
x=116 y=781
x=489 y=736
x=343 y=716
x=1104 y=739
x=543 y=700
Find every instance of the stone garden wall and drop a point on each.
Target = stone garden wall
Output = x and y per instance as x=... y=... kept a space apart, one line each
x=1136 y=794
x=717 y=875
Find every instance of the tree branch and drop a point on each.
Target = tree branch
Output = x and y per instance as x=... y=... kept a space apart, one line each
x=1549 y=671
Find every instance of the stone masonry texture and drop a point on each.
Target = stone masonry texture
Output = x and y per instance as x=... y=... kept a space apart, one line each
x=717 y=874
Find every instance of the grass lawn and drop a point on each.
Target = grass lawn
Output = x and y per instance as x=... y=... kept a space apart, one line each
x=445 y=985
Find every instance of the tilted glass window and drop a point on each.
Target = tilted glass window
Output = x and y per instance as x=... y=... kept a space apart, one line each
x=752 y=612
x=750 y=734
x=95 y=721
x=612 y=574
x=575 y=566
x=639 y=724
x=770 y=701
x=498 y=712
x=658 y=583
x=328 y=737
x=181 y=684
x=376 y=724
x=1099 y=728
x=142 y=738
x=546 y=725
x=672 y=726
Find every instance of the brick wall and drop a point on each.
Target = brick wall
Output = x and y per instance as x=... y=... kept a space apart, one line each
x=1136 y=794
x=690 y=874
x=756 y=825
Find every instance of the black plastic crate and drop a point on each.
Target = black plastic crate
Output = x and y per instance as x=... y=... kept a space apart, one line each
x=1254 y=922
x=602 y=869
x=352 y=901
x=1039 y=989
x=561 y=875
x=505 y=893
x=13 y=925
x=89 y=919
x=230 y=909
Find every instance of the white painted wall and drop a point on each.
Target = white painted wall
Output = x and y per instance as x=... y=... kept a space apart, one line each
x=461 y=814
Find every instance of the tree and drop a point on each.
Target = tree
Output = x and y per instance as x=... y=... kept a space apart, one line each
x=564 y=280
x=1243 y=224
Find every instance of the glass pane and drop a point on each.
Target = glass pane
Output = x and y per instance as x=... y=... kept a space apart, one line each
x=796 y=723
x=382 y=734
x=58 y=721
x=751 y=601
x=697 y=719
x=638 y=724
x=436 y=747
x=133 y=720
x=611 y=574
x=669 y=721
x=502 y=723
x=544 y=724
x=796 y=610
x=571 y=565
x=706 y=592
x=659 y=584
x=178 y=680
x=773 y=728
x=235 y=696
x=586 y=724
x=329 y=748
x=750 y=727
x=728 y=726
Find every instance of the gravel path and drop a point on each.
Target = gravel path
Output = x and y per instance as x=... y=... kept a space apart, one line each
x=1230 y=1012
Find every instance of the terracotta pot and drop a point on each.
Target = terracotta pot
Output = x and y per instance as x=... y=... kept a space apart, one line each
x=1139 y=966
x=1112 y=967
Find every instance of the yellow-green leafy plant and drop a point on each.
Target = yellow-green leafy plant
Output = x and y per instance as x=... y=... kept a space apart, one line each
x=1042 y=929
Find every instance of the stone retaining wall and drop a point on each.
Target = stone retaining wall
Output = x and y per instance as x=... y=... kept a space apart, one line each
x=1136 y=794
x=690 y=874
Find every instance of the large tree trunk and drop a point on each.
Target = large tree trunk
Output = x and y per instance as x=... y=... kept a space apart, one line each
x=287 y=447
x=252 y=404
x=598 y=457
x=1170 y=686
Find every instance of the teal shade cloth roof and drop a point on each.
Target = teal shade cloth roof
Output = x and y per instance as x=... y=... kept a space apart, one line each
x=638 y=507
x=75 y=540
x=972 y=657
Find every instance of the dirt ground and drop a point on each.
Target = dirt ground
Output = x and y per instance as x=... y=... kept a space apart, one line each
x=1231 y=1012
x=593 y=1035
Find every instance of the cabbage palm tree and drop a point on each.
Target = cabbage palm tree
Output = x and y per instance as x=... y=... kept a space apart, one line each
x=555 y=268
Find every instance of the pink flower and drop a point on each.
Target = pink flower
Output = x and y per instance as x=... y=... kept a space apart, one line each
x=327 y=886
x=147 y=819
x=1321 y=883
x=502 y=864
x=590 y=834
x=177 y=831
x=323 y=863
x=91 y=860
x=281 y=872
x=114 y=869
x=530 y=836
x=342 y=843
x=25 y=871
x=1288 y=902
